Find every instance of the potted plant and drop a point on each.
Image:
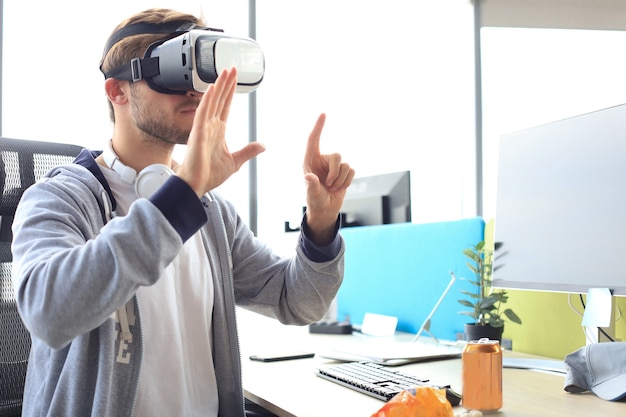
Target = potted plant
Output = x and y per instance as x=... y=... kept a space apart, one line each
x=484 y=302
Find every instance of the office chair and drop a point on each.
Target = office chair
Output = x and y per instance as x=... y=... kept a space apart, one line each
x=22 y=162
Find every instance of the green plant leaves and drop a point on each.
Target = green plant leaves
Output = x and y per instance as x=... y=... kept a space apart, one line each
x=484 y=303
x=512 y=316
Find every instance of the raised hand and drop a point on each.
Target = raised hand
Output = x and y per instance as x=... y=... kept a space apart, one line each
x=208 y=162
x=327 y=179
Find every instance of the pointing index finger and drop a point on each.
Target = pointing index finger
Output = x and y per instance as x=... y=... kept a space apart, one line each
x=313 y=145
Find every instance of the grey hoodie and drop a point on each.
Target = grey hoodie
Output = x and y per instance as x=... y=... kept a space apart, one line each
x=77 y=268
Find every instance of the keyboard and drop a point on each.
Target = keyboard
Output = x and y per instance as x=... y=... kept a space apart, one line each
x=379 y=381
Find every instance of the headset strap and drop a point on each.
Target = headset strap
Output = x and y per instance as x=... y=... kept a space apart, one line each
x=138 y=69
x=143 y=28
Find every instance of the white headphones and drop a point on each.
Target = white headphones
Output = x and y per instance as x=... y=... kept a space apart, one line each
x=149 y=179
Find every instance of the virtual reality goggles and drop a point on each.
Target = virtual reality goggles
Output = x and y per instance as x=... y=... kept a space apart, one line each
x=189 y=60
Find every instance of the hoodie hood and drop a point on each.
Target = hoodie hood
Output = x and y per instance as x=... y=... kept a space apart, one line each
x=96 y=182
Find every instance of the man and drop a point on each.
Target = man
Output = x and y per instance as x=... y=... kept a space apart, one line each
x=130 y=296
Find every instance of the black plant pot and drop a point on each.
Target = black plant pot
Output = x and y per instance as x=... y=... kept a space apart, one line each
x=476 y=332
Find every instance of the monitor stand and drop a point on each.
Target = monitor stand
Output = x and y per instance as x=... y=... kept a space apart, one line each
x=600 y=310
x=600 y=334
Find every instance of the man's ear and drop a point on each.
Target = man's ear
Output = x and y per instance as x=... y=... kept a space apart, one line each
x=116 y=90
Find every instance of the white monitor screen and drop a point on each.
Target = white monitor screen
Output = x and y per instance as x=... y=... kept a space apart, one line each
x=561 y=205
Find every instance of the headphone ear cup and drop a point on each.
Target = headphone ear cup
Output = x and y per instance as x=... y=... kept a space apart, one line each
x=151 y=178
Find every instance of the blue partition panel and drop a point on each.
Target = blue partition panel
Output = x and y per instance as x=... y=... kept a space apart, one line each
x=402 y=269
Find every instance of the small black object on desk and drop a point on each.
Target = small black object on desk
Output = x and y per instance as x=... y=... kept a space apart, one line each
x=330 y=327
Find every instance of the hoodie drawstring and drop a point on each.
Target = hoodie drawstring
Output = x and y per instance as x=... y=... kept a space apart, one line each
x=127 y=336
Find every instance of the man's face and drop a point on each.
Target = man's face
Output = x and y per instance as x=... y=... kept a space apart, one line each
x=167 y=117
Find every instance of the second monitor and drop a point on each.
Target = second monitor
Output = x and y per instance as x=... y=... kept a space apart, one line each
x=378 y=199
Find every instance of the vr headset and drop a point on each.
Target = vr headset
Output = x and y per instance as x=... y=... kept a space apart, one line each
x=190 y=59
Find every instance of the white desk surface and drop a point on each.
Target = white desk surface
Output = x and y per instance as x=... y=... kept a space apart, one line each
x=291 y=388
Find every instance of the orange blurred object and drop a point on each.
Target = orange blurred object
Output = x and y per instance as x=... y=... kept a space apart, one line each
x=424 y=402
x=482 y=375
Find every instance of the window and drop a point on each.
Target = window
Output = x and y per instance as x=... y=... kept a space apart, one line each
x=536 y=76
x=396 y=80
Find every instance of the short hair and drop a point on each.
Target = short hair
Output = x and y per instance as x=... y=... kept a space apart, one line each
x=134 y=46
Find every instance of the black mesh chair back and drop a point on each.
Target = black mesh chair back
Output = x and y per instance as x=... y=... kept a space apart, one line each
x=22 y=162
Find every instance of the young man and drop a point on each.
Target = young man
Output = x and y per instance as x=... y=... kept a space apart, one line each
x=130 y=299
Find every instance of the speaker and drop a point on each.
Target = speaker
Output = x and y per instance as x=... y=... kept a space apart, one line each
x=146 y=182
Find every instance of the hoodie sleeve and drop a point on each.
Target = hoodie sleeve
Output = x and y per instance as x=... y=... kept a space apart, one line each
x=294 y=290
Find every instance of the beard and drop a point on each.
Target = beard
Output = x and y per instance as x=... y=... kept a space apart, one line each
x=156 y=123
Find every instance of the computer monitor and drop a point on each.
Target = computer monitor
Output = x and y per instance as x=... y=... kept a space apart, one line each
x=561 y=205
x=378 y=199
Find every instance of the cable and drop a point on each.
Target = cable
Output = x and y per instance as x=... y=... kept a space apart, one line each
x=569 y=301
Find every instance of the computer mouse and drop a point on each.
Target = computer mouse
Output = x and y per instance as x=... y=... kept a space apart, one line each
x=453 y=397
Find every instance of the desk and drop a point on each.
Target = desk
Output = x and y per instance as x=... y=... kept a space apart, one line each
x=291 y=388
